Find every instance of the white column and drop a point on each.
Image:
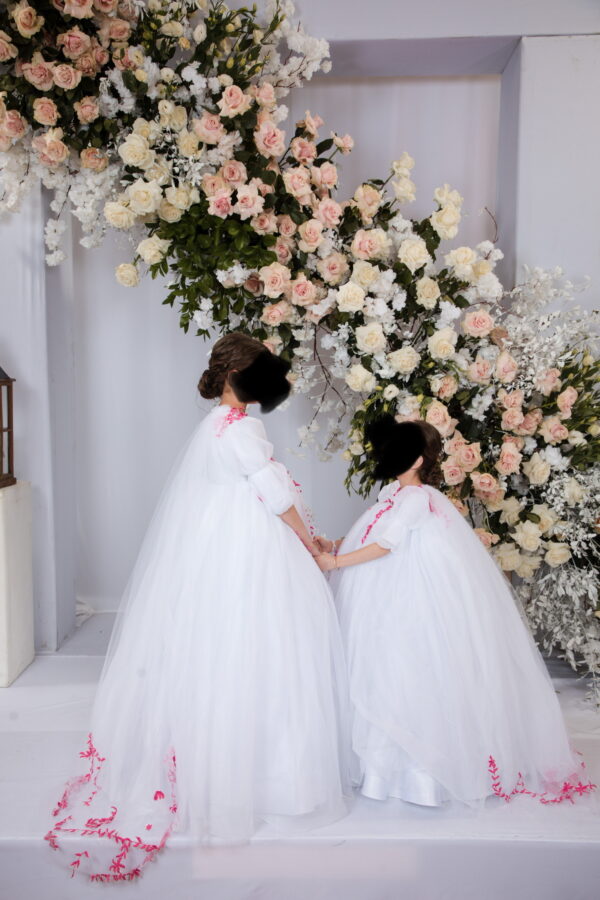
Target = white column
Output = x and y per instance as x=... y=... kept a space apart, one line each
x=16 y=588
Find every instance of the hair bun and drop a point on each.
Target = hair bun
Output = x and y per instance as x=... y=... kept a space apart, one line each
x=209 y=386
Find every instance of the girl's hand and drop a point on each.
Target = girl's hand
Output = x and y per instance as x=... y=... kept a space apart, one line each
x=326 y=562
x=324 y=545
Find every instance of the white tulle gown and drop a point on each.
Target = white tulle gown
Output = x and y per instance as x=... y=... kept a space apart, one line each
x=223 y=699
x=450 y=696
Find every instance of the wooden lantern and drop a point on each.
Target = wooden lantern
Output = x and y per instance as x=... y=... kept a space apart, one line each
x=7 y=465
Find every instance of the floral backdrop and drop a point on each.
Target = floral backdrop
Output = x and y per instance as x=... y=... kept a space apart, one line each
x=164 y=120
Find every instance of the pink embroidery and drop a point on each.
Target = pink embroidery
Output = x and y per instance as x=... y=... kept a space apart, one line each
x=568 y=790
x=434 y=509
x=388 y=505
x=94 y=827
x=233 y=415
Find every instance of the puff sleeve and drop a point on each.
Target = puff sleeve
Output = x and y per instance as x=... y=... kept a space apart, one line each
x=408 y=513
x=254 y=454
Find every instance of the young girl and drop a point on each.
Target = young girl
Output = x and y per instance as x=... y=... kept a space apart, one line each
x=450 y=696
x=222 y=699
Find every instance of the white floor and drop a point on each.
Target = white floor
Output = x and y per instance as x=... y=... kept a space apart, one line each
x=520 y=851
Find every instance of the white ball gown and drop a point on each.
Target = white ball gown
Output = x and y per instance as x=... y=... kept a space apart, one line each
x=451 y=698
x=223 y=698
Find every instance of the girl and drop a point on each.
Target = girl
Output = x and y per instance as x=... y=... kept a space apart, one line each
x=222 y=699
x=450 y=696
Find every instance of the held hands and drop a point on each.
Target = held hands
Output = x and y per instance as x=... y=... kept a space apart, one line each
x=324 y=545
x=326 y=562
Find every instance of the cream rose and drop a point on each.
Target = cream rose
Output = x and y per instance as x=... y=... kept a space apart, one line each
x=528 y=565
x=405 y=360
x=168 y=212
x=442 y=343
x=428 y=292
x=351 y=297
x=249 y=202
x=507 y=556
x=511 y=511
x=118 y=215
x=127 y=275
x=413 y=254
x=187 y=142
x=367 y=200
x=390 y=392
x=370 y=338
x=536 y=469
x=446 y=195
x=461 y=259
x=446 y=221
x=360 y=379
x=557 y=554
x=152 y=249
x=547 y=517
x=574 y=493
x=144 y=196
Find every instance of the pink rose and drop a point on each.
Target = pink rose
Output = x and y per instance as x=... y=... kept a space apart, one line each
x=333 y=268
x=328 y=212
x=87 y=65
x=234 y=172
x=297 y=183
x=480 y=371
x=220 y=204
x=213 y=183
x=530 y=422
x=45 y=111
x=277 y=313
x=275 y=278
x=264 y=94
x=310 y=123
x=94 y=159
x=548 y=381
x=209 y=128
x=26 y=19
x=311 y=235
x=513 y=439
x=79 y=9
x=253 y=284
x=87 y=110
x=38 y=72
x=100 y=55
x=453 y=472
x=119 y=30
x=372 y=244
x=7 y=48
x=511 y=399
x=447 y=387
x=509 y=460
x=468 y=456
x=565 y=401
x=511 y=419
x=265 y=223
x=287 y=226
x=66 y=77
x=106 y=6
x=484 y=484
x=234 y=102
x=249 y=203
x=452 y=446
x=506 y=367
x=303 y=151
x=553 y=431
x=367 y=200
x=478 y=323
x=50 y=148
x=438 y=416
x=325 y=176
x=303 y=292
x=284 y=249
x=269 y=140
x=74 y=43
x=345 y=143
x=123 y=58
x=13 y=124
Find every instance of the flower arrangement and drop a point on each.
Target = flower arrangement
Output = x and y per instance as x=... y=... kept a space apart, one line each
x=164 y=121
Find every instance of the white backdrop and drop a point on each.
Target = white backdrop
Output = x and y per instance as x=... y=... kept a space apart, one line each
x=136 y=372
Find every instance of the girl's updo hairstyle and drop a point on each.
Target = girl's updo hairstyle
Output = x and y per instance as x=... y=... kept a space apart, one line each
x=233 y=351
x=430 y=472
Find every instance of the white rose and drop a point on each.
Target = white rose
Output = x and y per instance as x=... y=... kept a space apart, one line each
x=167 y=74
x=428 y=292
x=461 y=259
x=403 y=165
x=445 y=221
x=370 y=338
x=360 y=379
x=135 y=151
x=118 y=216
x=573 y=492
x=507 y=555
x=182 y=197
x=351 y=297
x=172 y=29
x=557 y=554
x=152 y=249
x=528 y=565
x=127 y=275
x=511 y=509
x=144 y=196
x=577 y=438
x=188 y=142
x=364 y=274
x=413 y=253
x=390 y=392
x=442 y=343
x=404 y=360
x=446 y=196
x=528 y=536
x=168 y=212
x=536 y=469
x=200 y=33
x=547 y=518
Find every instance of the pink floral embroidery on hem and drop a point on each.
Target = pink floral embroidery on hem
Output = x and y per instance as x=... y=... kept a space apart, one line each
x=388 y=505
x=569 y=790
x=234 y=414
x=94 y=826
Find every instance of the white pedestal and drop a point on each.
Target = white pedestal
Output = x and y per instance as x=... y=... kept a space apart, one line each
x=16 y=588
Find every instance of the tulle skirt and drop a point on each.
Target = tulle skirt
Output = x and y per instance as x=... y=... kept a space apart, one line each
x=223 y=700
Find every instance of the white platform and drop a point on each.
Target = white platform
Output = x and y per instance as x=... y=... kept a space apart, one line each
x=392 y=851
